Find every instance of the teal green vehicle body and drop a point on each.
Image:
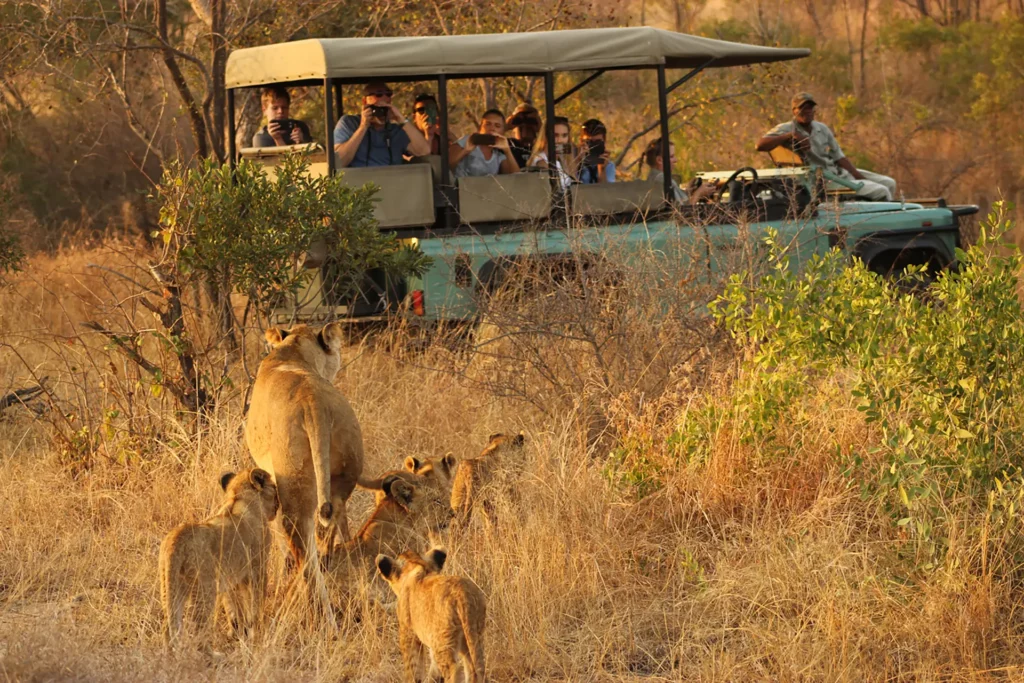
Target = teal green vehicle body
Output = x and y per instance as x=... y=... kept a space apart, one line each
x=878 y=232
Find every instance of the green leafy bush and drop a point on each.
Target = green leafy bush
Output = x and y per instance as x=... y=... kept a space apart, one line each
x=936 y=374
x=250 y=227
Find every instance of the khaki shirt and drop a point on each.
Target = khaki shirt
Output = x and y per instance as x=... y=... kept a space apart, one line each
x=824 y=151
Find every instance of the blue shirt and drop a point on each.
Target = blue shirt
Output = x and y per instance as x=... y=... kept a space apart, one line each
x=589 y=174
x=382 y=147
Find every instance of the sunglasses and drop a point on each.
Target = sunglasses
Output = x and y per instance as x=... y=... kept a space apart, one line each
x=380 y=93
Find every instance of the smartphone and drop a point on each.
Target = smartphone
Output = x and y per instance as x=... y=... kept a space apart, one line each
x=482 y=139
x=287 y=125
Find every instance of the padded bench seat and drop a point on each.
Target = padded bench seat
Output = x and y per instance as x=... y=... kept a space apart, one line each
x=405 y=194
x=512 y=197
x=608 y=199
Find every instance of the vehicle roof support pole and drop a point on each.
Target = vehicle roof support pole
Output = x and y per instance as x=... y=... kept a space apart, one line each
x=666 y=164
x=442 y=119
x=549 y=129
x=231 y=128
x=690 y=74
x=579 y=85
x=329 y=123
x=446 y=172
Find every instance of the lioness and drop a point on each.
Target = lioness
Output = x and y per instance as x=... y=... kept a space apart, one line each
x=447 y=614
x=436 y=472
x=222 y=557
x=302 y=430
x=473 y=474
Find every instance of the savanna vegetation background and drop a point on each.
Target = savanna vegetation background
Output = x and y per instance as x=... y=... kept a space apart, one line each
x=781 y=492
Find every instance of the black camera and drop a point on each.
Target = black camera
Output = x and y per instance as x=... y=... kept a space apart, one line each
x=595 y=150
x=286 y=126
x=380 y=113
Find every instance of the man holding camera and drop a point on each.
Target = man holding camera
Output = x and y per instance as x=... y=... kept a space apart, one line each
x=280 y=129
x=380 y=135
x=597 y=166
x=814 y=142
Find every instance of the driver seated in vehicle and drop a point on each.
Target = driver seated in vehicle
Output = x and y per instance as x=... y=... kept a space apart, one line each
x=814 y=142
x=280 y=129
x=656 y=175
x=485 y=152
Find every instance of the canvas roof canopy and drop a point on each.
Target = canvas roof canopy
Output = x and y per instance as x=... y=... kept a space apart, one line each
x=498 y=54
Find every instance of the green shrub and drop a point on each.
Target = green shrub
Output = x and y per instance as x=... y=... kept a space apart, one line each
x=935 y=372
x=248 y=228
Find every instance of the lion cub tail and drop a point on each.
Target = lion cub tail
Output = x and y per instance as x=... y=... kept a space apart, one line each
x=471 y=610
x=173 y=591
x=371 y=484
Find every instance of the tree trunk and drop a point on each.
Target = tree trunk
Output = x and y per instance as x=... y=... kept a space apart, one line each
x=218 y=11
x=195 y=116
x=863 y=50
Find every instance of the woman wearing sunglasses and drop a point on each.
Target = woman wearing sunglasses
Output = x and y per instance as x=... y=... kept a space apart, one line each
x=380 y=136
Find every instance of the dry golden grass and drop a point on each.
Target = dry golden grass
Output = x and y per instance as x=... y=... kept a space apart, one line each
x=734 y=571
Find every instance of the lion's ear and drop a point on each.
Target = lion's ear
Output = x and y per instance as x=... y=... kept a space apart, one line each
x=388 y=482
x=333 y=335
x=437 y=557
x=225 y=479
x=519 y=440
x=412 y=464
x=259 y=478
x=274 y=336
x=386 y=566
x=494 y=437
x=448 y=463
x=402 y=491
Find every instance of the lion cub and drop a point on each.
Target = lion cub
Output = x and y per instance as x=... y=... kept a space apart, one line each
x=393 y=523
x=436 y=472
x=473 y=475
x=222 y=559
x=445 y=614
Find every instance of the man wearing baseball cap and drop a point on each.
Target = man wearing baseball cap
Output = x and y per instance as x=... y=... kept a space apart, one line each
x=380 y=135
x=817 y=146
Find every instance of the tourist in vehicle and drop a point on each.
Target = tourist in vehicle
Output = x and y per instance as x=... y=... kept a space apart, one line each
x=656 y=175
x=280 y=129
x=814 y=142
x=566 y=154
x=426 y=118
x=596 y=165
x=485 y=152
x=524 y=126
x=380 y=135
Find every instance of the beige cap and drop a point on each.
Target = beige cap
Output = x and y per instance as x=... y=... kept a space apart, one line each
x=802 y=98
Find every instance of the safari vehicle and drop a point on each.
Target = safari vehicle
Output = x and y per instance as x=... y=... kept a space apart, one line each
x=475 y=227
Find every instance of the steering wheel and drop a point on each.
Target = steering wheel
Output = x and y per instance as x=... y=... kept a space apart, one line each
x=732 y=179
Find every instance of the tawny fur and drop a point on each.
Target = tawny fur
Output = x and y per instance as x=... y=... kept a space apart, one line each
x=405 y=516
x=222 y=560
x=436 y=472
x=443 y=614
x=303 y=431
x=474 y=474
